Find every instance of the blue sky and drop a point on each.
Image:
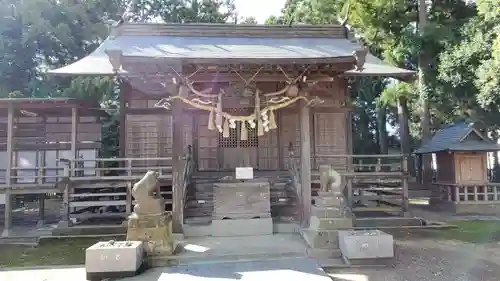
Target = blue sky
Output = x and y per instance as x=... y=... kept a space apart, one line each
x=260 y=9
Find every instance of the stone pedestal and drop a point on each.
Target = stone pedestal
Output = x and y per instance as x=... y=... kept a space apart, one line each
x=113 y=259
x=155 y=230
x=242 y=208
x=369 y=247
x=328 y=216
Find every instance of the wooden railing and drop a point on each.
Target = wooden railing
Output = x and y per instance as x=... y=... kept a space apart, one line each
x=83 y=169
x=189 y=166
x=468 y=193
x=293 y=172
x=364 y=164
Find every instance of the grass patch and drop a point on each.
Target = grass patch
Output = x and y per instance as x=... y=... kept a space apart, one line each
x=63 y=251
x=472 y=231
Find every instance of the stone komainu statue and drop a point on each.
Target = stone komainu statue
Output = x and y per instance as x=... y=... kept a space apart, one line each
x=147 y=194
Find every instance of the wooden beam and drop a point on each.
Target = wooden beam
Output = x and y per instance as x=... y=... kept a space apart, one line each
x=8 y=174
x=178 y=164
x=305 y=163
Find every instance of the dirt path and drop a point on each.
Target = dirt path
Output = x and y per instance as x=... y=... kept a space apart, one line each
x=430 y=260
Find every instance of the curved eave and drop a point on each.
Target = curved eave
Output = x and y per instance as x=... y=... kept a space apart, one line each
x=226 y=50
x=376 y=67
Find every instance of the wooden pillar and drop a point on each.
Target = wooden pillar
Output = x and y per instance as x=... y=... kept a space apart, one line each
x=406 y=175
x=178 y=164
x=41 y=210
x=305 y=163
x=74 y=135
x=124 y=90
x=8 y=174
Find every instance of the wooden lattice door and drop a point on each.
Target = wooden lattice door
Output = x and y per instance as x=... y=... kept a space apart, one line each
x=237 y=152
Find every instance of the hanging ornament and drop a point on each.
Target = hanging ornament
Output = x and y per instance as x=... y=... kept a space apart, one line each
x=244 y=131
x=252 y=123
x=211 y=125
x=232 y=124
x=272 y=120
x=225 y=132
x=218 y=113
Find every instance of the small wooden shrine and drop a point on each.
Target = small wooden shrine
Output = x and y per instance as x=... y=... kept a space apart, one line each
x=461 y=154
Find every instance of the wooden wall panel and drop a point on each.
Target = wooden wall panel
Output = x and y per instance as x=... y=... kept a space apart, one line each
x=207 y=150
x=268 y=151
x=149 y=136
x=445 y=167
x=289 y=132
x=330 y=139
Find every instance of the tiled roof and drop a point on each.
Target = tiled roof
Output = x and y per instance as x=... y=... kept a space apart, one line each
x=316 y=44
x=454 y=138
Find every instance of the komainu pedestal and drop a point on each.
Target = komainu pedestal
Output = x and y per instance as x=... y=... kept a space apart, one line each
x=155 y=230
x=329 y=214
x=149 y=222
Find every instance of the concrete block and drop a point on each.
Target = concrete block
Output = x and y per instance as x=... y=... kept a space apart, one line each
x=366 y=244
x=328 y=201
x=242 y=227
x=113 y=259
x=330 y=223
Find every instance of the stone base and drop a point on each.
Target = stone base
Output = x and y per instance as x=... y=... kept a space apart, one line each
x=317 y=223
x=154 y=230
x=98 y=276
x=322 y=239
x=242 y=227
x=120 y=256
x=5 y=233
x=370 y=244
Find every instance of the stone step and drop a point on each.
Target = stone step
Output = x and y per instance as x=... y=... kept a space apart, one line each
x=333 y=263
x=321 y=254
x=228 y=258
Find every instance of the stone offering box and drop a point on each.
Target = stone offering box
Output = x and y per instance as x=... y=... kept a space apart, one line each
x=366 y=247
x=113 y=259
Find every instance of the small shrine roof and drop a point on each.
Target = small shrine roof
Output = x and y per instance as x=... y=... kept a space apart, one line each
x=459 y=137
x=228 y=43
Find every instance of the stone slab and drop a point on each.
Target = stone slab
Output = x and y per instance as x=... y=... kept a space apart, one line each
x=282 y=269
x=242 y=227
x=326 y=212
x=118 y=256
x=329 y=201
x=366 y=244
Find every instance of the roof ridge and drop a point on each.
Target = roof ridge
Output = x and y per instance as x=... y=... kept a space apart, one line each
x=229 y=29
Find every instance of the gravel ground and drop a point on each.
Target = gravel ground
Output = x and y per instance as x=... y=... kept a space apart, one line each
x=426 y=260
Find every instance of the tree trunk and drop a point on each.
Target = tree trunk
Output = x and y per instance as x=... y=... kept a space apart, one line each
x=404 y=133
x=423 y=64
x=382 y=128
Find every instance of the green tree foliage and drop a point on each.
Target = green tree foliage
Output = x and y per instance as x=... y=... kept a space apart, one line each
x=184 y=11
x=469 y=70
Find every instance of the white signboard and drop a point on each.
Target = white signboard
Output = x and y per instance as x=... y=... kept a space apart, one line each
x=2 y=199
x=244 y=173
